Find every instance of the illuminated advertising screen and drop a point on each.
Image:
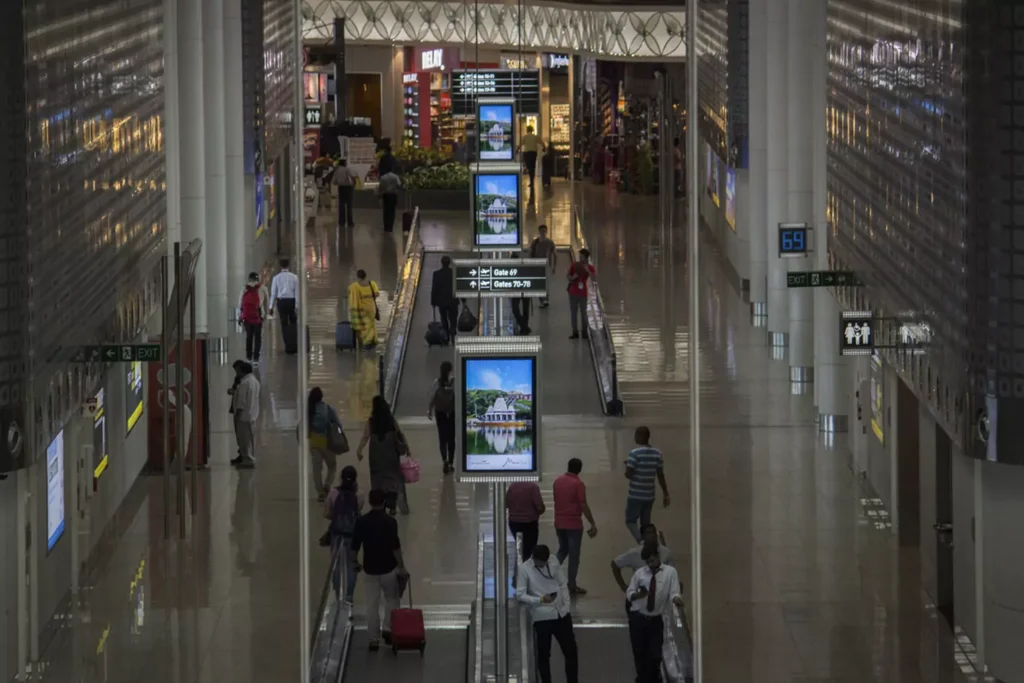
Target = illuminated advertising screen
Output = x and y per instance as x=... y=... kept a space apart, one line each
x=496 y=210
x=100 y=455
x=55 y=490
x=496 y=125
x=499 y=414
x=133 y=399
x=730 y=197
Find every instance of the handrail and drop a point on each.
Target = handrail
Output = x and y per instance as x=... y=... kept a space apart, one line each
x=478 y=661
x=393 y=356
x=525 y=628
x=328 y=620
x=601 y=344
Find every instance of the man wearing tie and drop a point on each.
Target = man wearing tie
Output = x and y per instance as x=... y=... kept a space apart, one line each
x=284 y=289
x=650 y=593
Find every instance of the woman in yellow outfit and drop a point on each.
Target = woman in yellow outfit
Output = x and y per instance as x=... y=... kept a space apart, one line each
x=362 y=309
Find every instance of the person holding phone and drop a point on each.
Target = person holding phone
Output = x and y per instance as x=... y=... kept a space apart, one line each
x=650 y=594
x=580 y=273
x=542 y=585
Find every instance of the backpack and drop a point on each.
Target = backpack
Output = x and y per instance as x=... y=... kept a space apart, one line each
x=346 y=512
x=251 y=306
x=444 y=399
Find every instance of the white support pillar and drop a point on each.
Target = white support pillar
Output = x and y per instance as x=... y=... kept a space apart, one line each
x=777 y=177
x=234 y=145
x=758 y=160
x=219 y=307
x=192 y=140
x=801 y=113
x=831 y=371
x=172 y=129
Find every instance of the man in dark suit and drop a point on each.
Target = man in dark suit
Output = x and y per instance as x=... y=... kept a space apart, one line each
x=442 y=296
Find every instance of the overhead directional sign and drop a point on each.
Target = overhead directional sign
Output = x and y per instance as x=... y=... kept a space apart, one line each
x=526 y=277
x=117 y=353
x=823 y=278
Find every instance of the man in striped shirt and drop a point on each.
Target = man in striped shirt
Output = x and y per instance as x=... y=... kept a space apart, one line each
x=643 y=467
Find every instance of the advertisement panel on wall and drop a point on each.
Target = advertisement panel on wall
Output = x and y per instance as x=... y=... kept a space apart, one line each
x=730 y=197
x=496 y=126
x=133 y=398
x=194 y=406
x=55 y=490
x=360 y=156
x=496 y=206
x=271 y=192
x=877 y=397
x=499 y=414
x=100 y=453
x=261 y=223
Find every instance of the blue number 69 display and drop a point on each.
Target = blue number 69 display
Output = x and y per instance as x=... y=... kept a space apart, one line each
x=793 y=241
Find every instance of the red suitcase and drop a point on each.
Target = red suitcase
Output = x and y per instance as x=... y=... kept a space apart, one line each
x=407 y=629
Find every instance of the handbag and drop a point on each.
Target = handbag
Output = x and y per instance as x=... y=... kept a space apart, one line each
x=337 y=442
x=376 y=308
x=410 y=469
x=467 y=321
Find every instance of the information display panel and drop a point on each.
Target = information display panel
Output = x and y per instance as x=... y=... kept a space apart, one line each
x=522 y=85
x=133 y=398
x=497 y=207
x=55 y=490
x=498 y=406
x=501 y=277
x=495 y=123
x=101 y=457
x=793 y=240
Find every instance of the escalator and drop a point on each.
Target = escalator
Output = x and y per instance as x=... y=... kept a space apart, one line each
x=446 y=653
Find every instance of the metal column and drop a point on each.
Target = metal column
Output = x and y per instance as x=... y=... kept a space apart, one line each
x=500 y=583
x=179 y=382
x=165 y=393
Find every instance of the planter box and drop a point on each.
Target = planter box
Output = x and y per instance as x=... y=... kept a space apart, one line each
x=427 y=200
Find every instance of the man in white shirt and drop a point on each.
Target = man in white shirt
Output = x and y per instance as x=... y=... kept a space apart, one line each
x=284 y=290
x=633 y=560
x=245 y=407
x=345 y=180
x=651 y=592
x=542 y=585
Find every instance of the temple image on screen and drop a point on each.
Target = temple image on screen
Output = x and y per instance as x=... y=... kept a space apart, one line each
x=495 y=128
x=497 y=210
x=499 y=413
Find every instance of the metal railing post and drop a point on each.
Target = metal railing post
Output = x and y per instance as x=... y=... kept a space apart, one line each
x=165 y=391
x=179 y=408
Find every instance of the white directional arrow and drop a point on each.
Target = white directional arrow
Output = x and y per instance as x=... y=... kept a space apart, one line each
x=472 y=283
x=473 y=272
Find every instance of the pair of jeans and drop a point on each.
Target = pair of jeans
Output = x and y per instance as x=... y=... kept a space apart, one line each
x=646 y=637
x=638 y=515
x=245 y=438
x=390 y=202
x=321 y=457
x=578 y=312
x=253 y=340
x=561 y=630
x=380 y=586
x=530 y=532
x=446 y=436
x=346 y=194
x=343 y=544
x=570 y=542
x=530 y=160
x=449 y=319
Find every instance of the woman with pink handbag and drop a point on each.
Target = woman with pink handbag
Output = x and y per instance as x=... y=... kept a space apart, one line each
x=388 y=448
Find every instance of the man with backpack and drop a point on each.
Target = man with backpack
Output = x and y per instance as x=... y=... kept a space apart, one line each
x=343 y=506
x=442 y=296
x=252 y=311
x=442 y=405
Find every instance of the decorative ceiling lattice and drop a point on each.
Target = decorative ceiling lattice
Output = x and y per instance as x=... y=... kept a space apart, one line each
x=605 y=32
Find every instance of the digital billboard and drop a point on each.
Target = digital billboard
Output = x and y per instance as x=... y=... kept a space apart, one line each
x=134 y=396
x=730 y=197
x=496 y=126
x=496 y=209
x=100 y=457
x=499 y=411
x=55 y=490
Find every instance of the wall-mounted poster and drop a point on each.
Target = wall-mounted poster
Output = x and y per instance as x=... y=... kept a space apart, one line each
x=730 y=197
x=497 y=216
x=100 y=454
x=134 y=396
x=261 y=224
x=496 y=123
x=55 y=490
x=499 y=414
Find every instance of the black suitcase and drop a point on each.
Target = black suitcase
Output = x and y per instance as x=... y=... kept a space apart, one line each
x=406 y=221
x=435 y=335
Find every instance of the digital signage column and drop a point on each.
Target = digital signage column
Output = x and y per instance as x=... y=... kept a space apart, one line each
x=497 y=207
x=54 y=491
x=134 y=395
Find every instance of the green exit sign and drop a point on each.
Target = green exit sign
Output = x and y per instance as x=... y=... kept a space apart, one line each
x=118 y=353
x=823 y=278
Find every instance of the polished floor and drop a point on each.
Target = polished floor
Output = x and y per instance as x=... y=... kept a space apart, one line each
x=798 y=586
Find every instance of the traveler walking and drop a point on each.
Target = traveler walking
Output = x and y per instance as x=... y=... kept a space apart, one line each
x=543 y=247
x=521 y=307
x=525 y=506
x=387 y=446
x=570 y=496
x=343 y=506
x=442 y=406
x=284 y=290
x=388 y=163
x=643 y=467
x=253 y=308
x=650 y=594
x=530 y=145
x=363 y=312
x=633 y=560
x=580 y=273
x=442 y=297
x=345 y=180
x=245 y=408
x=541 y=585
x=376 y=534
x=388 y=189
x=322 y=418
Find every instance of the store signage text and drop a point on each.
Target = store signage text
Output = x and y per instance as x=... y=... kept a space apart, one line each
x=556 y=61
x=514 y=63
x=410 y=78
x=432 y=59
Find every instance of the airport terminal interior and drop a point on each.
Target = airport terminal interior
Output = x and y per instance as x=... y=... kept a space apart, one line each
x=782 y=254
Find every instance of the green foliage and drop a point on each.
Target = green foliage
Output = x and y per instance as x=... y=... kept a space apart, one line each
x=449 y=176
x=412 y=158
x=642 y=170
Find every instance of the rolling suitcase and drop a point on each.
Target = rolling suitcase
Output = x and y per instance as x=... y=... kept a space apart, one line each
x=407 y=629
x=435 y=335
x=344 y=336
x=406 y=221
